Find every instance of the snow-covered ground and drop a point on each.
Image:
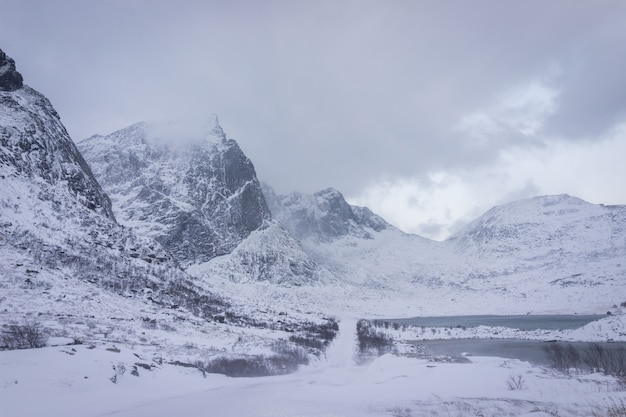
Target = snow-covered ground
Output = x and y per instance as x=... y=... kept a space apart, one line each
x=133 y=381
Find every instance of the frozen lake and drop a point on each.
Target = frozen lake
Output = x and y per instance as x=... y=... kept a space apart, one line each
x=521 y=322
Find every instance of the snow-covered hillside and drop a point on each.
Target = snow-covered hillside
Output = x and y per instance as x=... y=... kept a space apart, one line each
x=66 y=264
x=546 y=254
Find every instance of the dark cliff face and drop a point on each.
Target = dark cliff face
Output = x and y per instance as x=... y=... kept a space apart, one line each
x=222 y=183
x=323 y=216
x=10 y=79
x=35 y=144
x=199 y=198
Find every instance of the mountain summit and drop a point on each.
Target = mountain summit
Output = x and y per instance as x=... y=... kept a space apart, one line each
x=194 y=192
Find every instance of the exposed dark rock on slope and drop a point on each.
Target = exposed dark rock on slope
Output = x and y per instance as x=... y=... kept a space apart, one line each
x=195 y=192
x=10 y=79
x=199 y=198
x=323 y=216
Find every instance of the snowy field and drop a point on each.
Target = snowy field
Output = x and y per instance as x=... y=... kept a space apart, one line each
x=103 y=379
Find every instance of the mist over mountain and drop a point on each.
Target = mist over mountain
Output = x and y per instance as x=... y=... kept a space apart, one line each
x=195 y=192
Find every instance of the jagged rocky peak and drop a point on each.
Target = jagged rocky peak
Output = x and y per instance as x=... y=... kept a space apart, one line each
x=213 y=126
x=325 y=215
x=35 y=144
x=185 y=184
x=10 y=79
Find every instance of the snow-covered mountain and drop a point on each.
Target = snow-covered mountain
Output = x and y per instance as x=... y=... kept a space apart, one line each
x=57 y=223
x=197 y=195
x=537 y=227
x=195 y=192
x=555 y=242
x=67 y=266
x=199 y=198
x=545 y=253
x=323 y=216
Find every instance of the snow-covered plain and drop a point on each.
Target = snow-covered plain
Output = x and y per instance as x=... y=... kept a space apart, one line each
x=77 y=380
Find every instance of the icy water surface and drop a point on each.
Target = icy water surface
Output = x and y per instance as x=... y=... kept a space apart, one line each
x=525 y=350
x=521 y=322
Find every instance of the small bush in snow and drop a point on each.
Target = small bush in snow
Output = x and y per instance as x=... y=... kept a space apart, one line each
x=515 y=382
x=24 y=336
x=316 y=337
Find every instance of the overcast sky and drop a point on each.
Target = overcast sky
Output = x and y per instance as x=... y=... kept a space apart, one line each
x=428 y=112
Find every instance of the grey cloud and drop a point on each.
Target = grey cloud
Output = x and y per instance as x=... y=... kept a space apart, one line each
x=321 y=93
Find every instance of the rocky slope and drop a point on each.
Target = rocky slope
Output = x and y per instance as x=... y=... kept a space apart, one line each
x=195 y=192
x=323 y=216
x=199 y=199
x=57 y=224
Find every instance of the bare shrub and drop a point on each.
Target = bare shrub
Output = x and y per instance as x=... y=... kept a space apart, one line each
x=373 y=342
x=594 y=357
x=610 y=360
x=316 y=337
x=28 y=335
x=616 y=409
x=515 y=382
x=564 y=358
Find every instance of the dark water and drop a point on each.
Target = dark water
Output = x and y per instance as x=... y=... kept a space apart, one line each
x=525 y=350
x=522 y=322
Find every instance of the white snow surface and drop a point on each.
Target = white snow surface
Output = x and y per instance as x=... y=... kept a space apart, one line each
x=79 y=381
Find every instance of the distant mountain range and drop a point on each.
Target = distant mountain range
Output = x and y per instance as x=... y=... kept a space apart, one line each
x=156 y=211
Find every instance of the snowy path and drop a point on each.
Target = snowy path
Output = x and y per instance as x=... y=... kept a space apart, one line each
x=341 y=352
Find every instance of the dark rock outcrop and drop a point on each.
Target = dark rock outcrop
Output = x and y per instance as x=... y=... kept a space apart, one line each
x=197 y=196
x=10 y=79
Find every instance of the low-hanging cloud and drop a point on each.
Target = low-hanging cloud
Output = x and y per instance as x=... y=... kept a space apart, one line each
x=446 y=201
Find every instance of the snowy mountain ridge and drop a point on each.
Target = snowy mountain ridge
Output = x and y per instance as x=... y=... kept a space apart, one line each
x=524 y=256
x=199 y=200
x=531 y=255
x=196 y=193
